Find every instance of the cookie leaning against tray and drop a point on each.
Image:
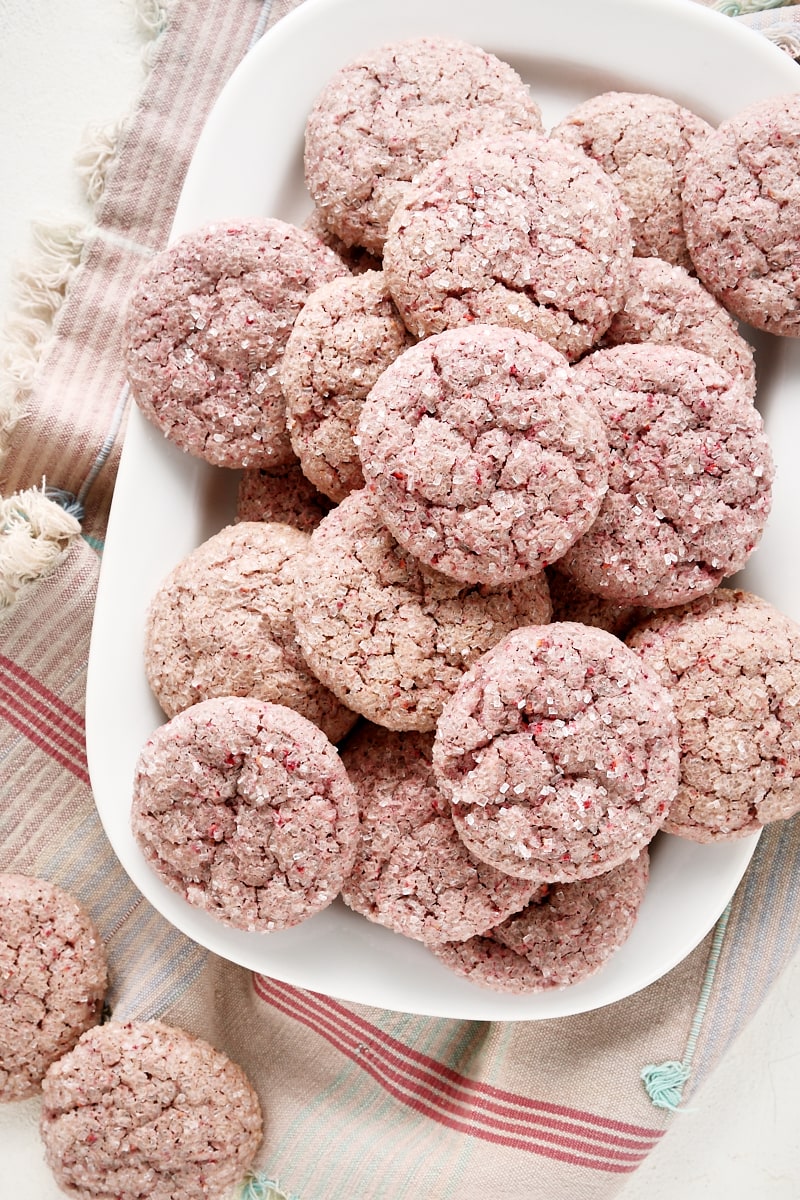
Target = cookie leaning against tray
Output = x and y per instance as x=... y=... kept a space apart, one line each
x=491 y=237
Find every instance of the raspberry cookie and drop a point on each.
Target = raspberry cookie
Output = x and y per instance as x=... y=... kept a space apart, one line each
x=559 y=938
x=668 y=306
x=519 y=231
x=355 y=258
x=144 y=1109
x=285 y=496
x=390 y=637
x=732 y=665
x=690 y=484
x=383 y=117
x=571 y=603
x=53 y=978
x=244 y=808
x=348 y=333
x=221 y=624
x=205 y=327
x=412 y=872
x=485 y=457
x=741 y=209
x=559 y=753
x=641 y=142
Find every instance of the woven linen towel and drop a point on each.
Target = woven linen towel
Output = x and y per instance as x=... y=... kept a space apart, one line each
x=359 y=1102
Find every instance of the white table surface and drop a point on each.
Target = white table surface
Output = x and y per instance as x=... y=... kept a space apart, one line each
x=67 y=64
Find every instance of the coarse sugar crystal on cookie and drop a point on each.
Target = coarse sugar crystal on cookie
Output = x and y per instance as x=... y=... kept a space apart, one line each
x=206 y=323
x=221 y=624
x=485 y=457
x=145 y=1109
x=245 y=809
x=731 y=662
x=53 y=978
x=412 y=872
x=641 y=141
x=666 y=305
x=389 y=636
x=355 y=258
x=572 y=603
x=384 y=116
x=690 y=481
x=558 y=752
x=283 y=496
x=348 y=332
x=559 y=938
x=519 y=231
x=741 y=210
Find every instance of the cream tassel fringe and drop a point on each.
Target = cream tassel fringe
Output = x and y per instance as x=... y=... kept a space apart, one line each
x=34 y=534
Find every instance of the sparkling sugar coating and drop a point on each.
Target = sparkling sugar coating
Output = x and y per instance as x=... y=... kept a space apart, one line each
x=732 y=665
x=285 y=496
x=244 y=808
x=559 y=753
x=145 y=1110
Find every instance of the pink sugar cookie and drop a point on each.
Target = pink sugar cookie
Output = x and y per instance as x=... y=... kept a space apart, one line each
x=245 y=809
x=412 y=872
x=571 y=603
x=484 y=455
x=558 y=752
x=284 y=496
x=731 y=663
x=206 y=324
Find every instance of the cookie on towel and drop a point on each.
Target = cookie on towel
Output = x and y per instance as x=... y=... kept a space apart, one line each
x=221 y=624
x=53 y=979
x=144 y=1109
x=389 y=636
x=412 y=872
x=206 y=324
x=485 y=457
x=558 y=752
x=559 y=938
x=244 y=808
x=384 y=116
x=731 y=663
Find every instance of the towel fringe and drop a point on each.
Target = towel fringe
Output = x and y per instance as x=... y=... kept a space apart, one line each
x=97 y=151
x=35 y=533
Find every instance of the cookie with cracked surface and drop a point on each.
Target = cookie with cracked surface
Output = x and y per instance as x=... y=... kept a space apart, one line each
x=732 y=665
x=741 y=210
x=485 y=456
x=559 y=938
x=355 y=258
x=641 y=141
x=519 y=231
x=412 y=871
x=571 y=603
x=690 y=482
x=206 y=324
x=221 y=624
x=666 y=305
x=389 y=636
x=558 y=752
x=384 y=116
x=244 y=809
x=285 y=497
x=347 y=334
x=146 y=1109
x=53 y=978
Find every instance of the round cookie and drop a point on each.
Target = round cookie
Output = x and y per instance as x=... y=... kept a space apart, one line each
x=286 y=497
x=348 y=333
x=571 y=603
x=390 y=637
x=144 y=1109
x=53 y=978
x=221 y=624
x=412 y=872
x=732 y=665
x=206 y=323
x=485 y=457
x=558 y=752
x=741 y=210
x=244 y=808
x=355 y=258
x=690 y=482
x=641 y=141
x=383 y=117
x=559 y=938
x=666 y=305
x=519 y=231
